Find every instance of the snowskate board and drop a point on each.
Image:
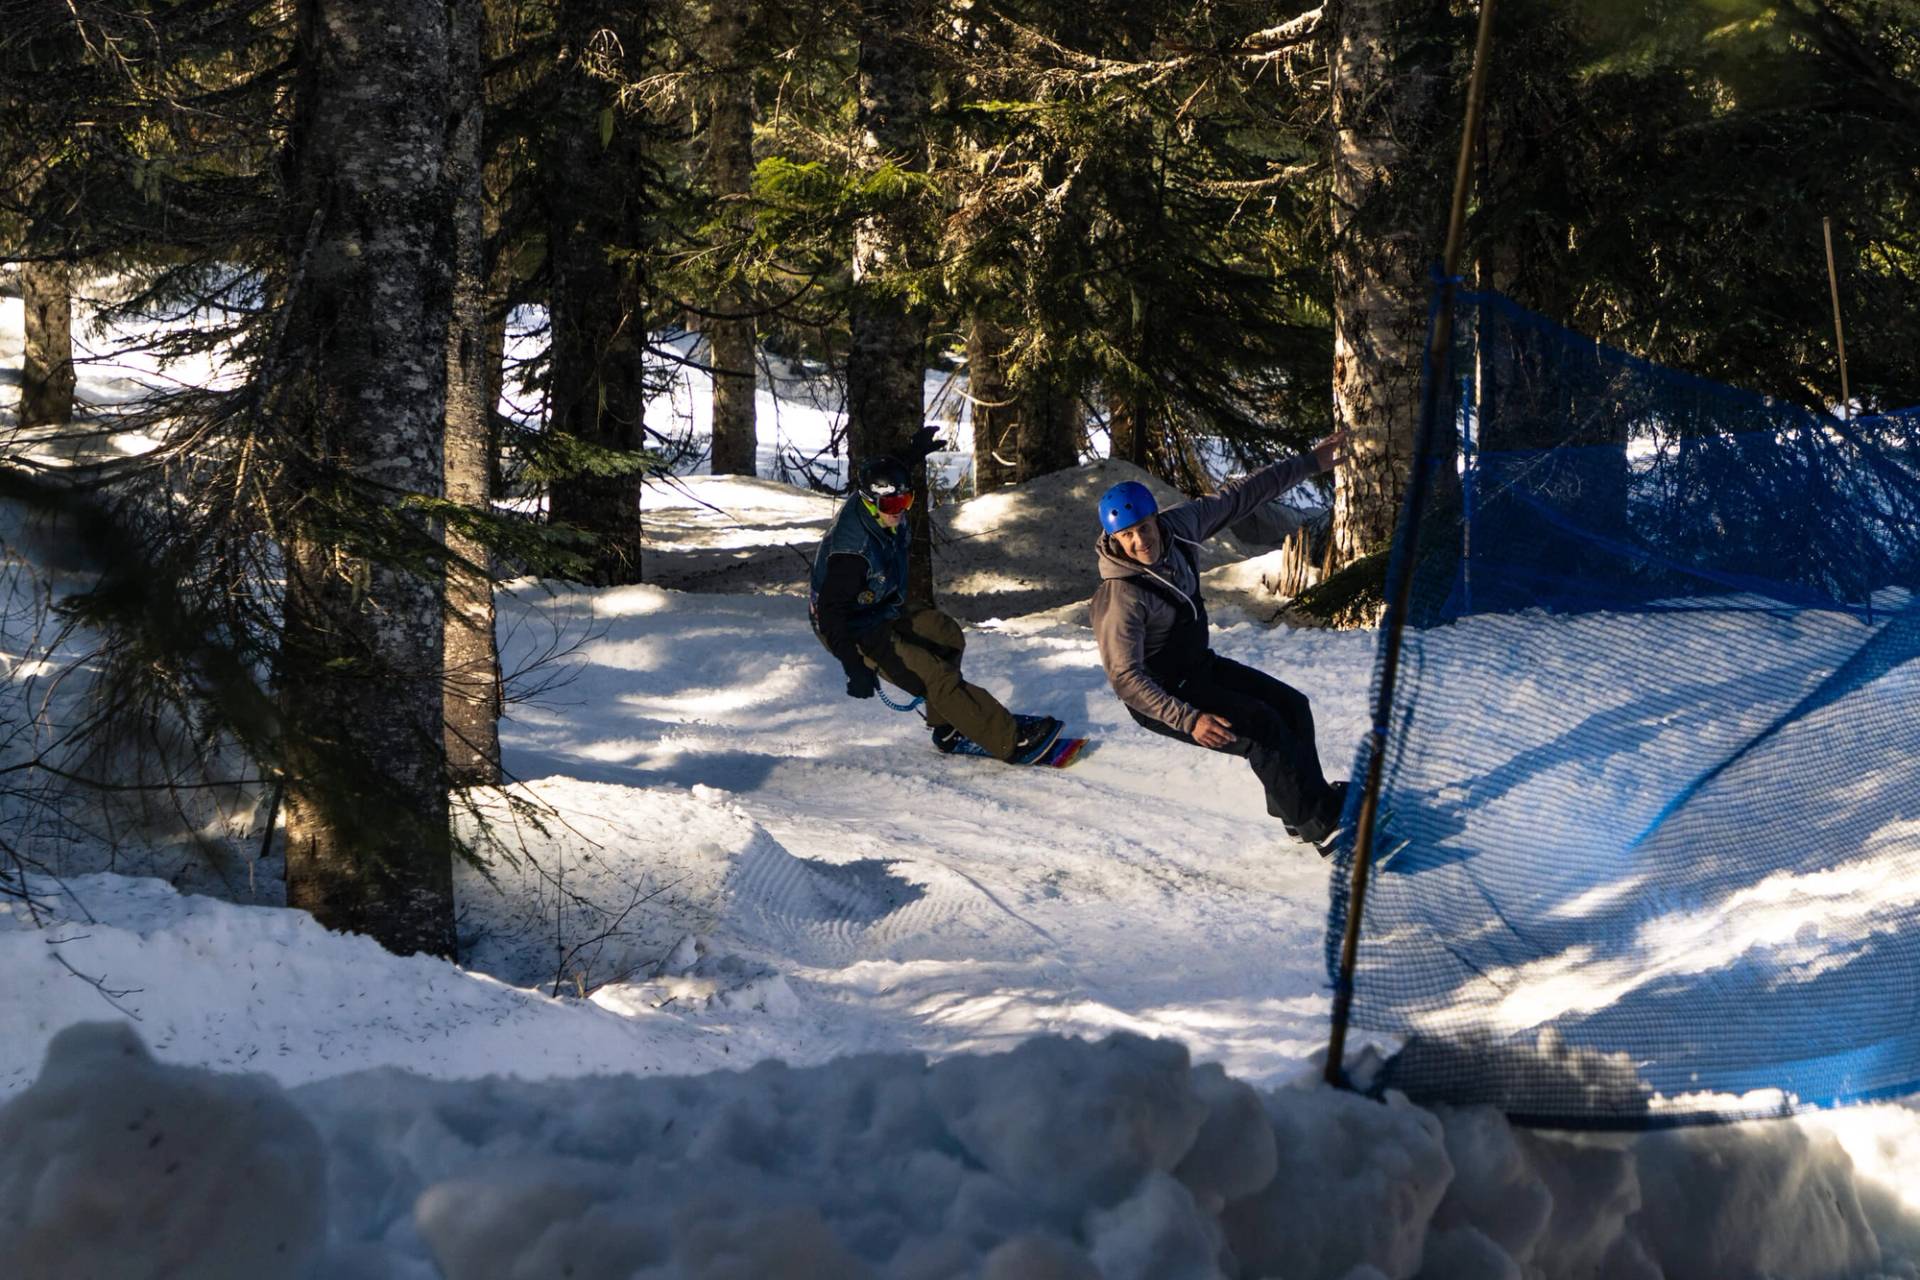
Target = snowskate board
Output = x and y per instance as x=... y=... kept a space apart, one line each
x=1053 y=751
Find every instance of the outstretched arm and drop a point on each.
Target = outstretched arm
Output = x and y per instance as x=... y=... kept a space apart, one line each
x=1200 y=519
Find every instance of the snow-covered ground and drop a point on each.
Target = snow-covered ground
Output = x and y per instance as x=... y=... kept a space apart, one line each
x=830 y=1004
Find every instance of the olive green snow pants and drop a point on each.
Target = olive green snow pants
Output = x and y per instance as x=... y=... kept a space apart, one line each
x=920 y=652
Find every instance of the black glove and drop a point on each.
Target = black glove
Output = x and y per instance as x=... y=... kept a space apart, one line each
x=925 y=441
x=860 y=683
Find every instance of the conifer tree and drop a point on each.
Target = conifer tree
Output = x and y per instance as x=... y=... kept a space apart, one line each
x=887 y=321
x=363 y=380
x=471 y=666
x=594 y=183
x=728 y=169
x=1389 y=82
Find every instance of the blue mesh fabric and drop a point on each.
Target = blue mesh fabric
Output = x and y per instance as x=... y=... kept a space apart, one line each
x=1648 y=847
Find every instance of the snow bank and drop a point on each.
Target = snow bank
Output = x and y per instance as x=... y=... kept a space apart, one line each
x=1060 y=1160
x=1011 y=552
x=267 y=989
x=114 y=1167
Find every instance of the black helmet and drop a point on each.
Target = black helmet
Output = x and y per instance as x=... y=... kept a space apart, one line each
x=883 y=477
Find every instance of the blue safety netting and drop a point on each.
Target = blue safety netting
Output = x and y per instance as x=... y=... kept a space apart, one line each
x=1648 y=845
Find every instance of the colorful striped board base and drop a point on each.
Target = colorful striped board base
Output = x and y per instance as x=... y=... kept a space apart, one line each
x=1063 y=752
x=1060 y=753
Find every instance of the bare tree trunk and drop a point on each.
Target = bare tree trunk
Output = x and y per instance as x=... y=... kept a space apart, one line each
x=1049 y=430
x=494 y=360
x=473 y=701
x=1124 y=437
x=886 y=357
x=369 y=225
x=730 y=334
x=996 y=414
x=1388 y=202
x=595 y=197
x=46 y=391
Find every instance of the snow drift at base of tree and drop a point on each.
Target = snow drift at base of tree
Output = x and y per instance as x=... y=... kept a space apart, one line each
x=1059 y=1160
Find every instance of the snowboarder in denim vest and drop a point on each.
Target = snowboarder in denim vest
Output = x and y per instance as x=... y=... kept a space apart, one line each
x=860 y=612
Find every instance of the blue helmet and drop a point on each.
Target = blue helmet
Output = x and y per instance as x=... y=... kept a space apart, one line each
x=1125 y=505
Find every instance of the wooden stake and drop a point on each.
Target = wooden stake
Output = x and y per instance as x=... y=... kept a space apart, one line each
x=1400 y=590
x=1839 y=336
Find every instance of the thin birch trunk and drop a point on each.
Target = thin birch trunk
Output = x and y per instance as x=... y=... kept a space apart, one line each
x=473 y=701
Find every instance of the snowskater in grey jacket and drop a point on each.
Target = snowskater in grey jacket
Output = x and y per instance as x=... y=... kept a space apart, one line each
x=1151 y=624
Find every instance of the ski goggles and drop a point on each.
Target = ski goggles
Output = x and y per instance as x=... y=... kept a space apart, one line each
x=891 y=504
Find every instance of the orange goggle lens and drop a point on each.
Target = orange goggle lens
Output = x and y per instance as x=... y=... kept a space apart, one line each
x=893 y=504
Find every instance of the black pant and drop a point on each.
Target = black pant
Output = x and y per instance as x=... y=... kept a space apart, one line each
x=1272 y=728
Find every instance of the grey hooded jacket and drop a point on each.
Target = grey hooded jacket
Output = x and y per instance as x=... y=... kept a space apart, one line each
x=1130 y=622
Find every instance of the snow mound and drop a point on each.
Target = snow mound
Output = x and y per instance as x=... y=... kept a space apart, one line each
x=1015 y=551
x=647 y=896
x=115 y=1167
x=212 y=983
x=1060 y=1160
x=592 y=883
x=1029 y=547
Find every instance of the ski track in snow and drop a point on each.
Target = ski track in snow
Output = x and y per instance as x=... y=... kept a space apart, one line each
x=917 y=901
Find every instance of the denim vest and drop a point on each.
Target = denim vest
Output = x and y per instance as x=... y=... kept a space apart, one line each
x=855 y=532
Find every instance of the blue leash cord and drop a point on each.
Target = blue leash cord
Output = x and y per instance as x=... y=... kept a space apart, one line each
x=898 y=706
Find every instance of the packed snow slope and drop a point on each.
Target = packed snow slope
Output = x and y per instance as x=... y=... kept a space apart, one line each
x=738 y=864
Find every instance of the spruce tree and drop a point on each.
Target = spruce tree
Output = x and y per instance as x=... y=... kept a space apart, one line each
x=363 y=381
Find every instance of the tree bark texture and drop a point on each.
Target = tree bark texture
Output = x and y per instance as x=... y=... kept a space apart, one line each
x=886 y=356
x=729 y=165
x=46 y=390
x=1388 y=208
x=1124 y=437
x=596 y=207
x=369 y=225
x=472 y=665
x=996 y=414
x=888 y=346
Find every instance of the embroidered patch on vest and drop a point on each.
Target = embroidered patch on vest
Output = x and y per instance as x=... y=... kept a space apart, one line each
x=867 y=597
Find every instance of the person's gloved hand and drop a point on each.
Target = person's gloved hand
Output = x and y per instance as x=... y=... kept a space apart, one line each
x=860 y=683
x=925 y=441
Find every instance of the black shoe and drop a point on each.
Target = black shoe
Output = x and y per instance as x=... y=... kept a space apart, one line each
x=1323 y=828
x=1034 y=738
x=947 y=738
